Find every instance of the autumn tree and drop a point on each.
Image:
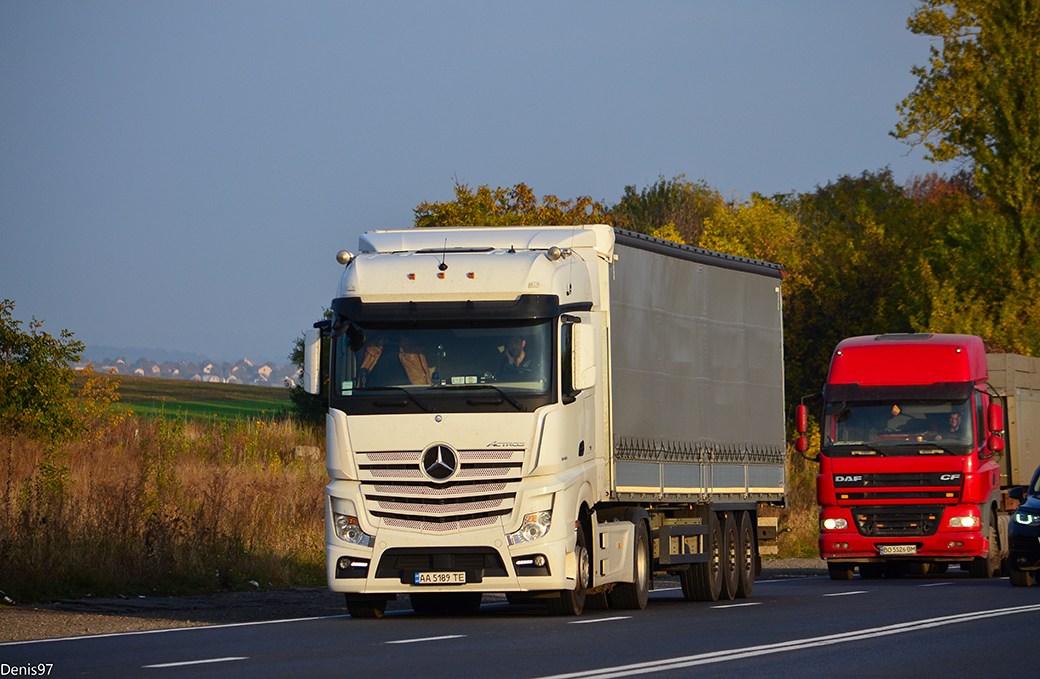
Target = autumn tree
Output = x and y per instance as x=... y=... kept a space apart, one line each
x=668 y=203
x=515 y=206
x=978 y=99
x=36 y=396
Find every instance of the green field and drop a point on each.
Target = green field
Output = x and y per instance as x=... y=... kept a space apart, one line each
x=157 y=396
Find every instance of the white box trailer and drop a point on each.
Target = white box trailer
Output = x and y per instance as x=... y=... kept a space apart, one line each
x=557 y=413
x=1016 y=380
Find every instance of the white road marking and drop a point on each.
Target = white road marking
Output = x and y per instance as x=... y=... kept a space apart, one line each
x=585 y=622
x=194 y=662
x=750 y=603
x=682 y=662
x=936 y=584
x=420 y=640
x=858 y=591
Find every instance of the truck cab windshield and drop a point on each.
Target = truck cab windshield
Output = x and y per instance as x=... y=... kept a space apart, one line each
x=443 y=367
x=898 y=428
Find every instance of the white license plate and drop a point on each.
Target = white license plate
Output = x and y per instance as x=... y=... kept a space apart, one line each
x=897 y=549
x=445 y=578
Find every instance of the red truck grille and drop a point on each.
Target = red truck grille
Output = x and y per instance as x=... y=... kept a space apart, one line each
x=942 y=487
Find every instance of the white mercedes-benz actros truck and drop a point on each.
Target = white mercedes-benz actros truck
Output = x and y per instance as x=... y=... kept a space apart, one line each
x=554 y=413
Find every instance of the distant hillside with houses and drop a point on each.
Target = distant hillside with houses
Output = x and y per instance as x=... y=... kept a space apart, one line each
x=242 y=371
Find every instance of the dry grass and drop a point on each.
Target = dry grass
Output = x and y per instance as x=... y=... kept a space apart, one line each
x=161 y=506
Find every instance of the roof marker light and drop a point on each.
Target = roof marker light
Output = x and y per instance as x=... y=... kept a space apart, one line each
x=411 y=276
x=344 y=257
x=471 y=275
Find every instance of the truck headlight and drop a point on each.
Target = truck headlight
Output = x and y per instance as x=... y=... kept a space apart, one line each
x=534 y=527
x=348 y=530
x=1027 y=518
x=965 y=522
x=835 y=524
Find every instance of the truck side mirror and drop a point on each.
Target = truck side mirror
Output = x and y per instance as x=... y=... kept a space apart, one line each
x=801 y=444
x=995 y=417
x=311 y=360
x=995 y=444
x=583 y=363
x=801 y=420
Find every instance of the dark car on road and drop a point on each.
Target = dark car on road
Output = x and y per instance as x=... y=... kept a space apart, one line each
x=1024 y=558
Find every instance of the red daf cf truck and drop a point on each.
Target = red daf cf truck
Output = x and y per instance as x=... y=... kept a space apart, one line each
x=913 y=468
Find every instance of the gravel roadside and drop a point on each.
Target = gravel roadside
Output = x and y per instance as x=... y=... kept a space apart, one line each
x=78 y=617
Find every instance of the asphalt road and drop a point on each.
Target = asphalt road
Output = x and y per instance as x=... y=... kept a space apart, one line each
x=950 y=626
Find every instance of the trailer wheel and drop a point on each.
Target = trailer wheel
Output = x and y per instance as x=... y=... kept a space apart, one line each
x=840 y=571
x=362 y=606
x=986 y=566
x=635 y=595
x=745 y=556
x=572 y=602
x=730 y=557
x=1020 y=578
x=703 y=581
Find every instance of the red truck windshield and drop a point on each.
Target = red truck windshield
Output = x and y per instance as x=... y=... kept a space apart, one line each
x=898 y=428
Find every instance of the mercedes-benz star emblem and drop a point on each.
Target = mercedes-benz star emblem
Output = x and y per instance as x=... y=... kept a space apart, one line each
x=439 y=462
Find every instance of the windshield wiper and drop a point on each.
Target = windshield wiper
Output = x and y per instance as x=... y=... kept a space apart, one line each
x=512 y=401
x=855 y=448
x=404 y=391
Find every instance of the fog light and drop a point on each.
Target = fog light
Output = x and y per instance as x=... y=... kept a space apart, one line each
x=844 y=545
x=835 y=524
x=539 y=561
x=951 y=545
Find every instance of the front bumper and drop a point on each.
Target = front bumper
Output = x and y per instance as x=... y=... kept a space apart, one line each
x=398 y=559
x=944 y=544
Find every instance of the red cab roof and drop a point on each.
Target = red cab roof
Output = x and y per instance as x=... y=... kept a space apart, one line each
x=909 y=359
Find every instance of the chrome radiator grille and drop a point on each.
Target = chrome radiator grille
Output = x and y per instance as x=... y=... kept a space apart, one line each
x=400 y=491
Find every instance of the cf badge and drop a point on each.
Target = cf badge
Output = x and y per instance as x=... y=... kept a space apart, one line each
x=439 y=462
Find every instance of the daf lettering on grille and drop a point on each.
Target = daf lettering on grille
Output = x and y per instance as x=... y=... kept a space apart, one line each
x=439 y=462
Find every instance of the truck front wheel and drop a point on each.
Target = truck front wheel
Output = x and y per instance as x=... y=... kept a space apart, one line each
x=635 y=594
x=986 y=566
x=572 y=602
x=366 y=606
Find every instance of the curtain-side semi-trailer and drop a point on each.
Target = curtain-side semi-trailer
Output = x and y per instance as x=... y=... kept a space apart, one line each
x=553 y=413
x=922 y=437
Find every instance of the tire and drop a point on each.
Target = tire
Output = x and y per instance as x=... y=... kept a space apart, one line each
x=745 y=556
x=361 y=606
x=572 y=602
x=1020 y=578
x=730 y=558
x=840 y=571
x=703 y=581
x=871 y=571
x=635 y=595
x=986 y=566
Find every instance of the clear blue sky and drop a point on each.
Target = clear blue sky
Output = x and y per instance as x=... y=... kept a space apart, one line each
x=180 y=175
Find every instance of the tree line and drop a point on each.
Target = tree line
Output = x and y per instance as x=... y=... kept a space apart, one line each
x=863 y=254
